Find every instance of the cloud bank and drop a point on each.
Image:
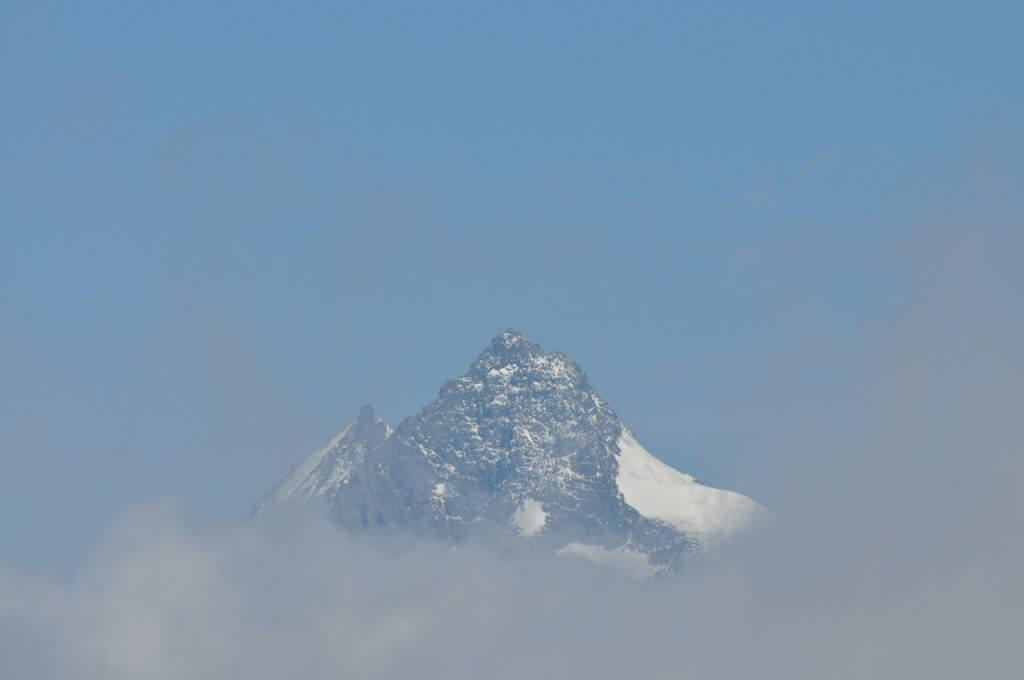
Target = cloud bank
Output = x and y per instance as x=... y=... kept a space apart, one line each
x=894 y=551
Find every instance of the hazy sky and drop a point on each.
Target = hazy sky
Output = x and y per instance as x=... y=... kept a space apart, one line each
x=224 y=227
x=895 y=550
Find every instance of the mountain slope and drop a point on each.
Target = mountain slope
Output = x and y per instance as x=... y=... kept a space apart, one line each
x=325 y=471
x=520 y=448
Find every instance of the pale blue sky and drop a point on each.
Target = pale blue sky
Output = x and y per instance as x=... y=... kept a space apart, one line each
x=225 y=226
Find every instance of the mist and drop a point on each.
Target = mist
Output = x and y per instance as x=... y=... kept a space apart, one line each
x=894 y=546
x=784 y=241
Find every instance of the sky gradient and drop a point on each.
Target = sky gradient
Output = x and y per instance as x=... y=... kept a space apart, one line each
x=223 y=229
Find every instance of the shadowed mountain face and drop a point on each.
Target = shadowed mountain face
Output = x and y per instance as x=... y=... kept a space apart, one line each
x=522 y=449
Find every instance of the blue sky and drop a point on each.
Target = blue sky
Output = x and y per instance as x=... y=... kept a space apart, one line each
x=223 y=228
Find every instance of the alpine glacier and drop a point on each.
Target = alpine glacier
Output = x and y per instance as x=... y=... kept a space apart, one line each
x=523 y=449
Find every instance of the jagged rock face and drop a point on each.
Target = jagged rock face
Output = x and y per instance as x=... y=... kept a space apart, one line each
x=521 y=446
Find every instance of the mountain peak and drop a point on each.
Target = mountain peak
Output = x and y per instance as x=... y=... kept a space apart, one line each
x=512 y=353
x=321 y=471
x=511 y=336
x=512 y=344
x=366 y=414
x=521 y=443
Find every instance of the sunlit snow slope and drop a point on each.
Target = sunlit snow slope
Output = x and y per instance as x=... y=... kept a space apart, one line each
x=660 y=492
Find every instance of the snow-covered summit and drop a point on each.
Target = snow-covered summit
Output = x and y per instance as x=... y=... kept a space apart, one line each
x=520 y=444
x=329 y=468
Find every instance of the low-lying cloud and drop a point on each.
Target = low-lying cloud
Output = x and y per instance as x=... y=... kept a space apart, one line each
x=894 y=551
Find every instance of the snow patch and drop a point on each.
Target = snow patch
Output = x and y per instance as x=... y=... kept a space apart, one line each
x=296 y=485
x=530 y=517
x=504 y=372
x=660 y=492
x=624 y=558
